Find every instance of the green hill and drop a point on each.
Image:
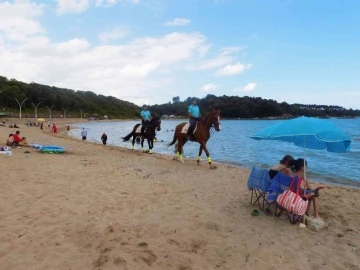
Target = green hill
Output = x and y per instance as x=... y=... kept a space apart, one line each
x=91 y=103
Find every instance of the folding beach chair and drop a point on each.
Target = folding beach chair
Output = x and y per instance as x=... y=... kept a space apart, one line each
x=279 y=184
x=258 y=183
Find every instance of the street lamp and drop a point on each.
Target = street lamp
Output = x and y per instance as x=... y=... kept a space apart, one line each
x=81 y=112
x=50 y=110
x=65 y=111
x=36 y=108
x=20 y=105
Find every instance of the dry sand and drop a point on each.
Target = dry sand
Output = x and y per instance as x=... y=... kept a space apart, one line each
x=103 y=207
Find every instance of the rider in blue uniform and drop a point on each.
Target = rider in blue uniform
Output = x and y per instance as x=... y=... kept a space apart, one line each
x=145 y=117
x=194 y=113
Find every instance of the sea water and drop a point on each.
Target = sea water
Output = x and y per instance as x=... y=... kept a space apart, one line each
x=233 y=145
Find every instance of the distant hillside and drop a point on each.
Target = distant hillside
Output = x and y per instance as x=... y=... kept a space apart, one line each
x=99 y=105
x=91 y=103
x=253 y=107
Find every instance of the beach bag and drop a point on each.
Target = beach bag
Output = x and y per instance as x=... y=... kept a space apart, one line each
x=292 y=201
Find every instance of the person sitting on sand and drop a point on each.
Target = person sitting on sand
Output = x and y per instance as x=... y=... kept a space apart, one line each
x=284 y=166
x=299 y=168
x=17 y=139
x=10 y=140
x=15 y=126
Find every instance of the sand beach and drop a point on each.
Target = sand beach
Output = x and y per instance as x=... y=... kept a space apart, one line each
x=105 y=207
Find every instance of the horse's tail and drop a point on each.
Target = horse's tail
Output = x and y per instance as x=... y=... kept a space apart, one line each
x=174 y=139
x=127 y=137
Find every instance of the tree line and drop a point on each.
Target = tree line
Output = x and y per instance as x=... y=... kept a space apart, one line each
x=94 y=105
x=59 y=98
x=246 y=107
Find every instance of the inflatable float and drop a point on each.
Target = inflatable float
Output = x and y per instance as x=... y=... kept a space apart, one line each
x=52 y=149
x=36 y=146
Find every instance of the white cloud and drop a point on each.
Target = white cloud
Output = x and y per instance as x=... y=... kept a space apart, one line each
x=225 y=56
x=130 y=71
x=178 y=22
x=72 y=6
x=114 y=34
x=231 y=70
x=108 y=3
x=209 y=87
x=230 y=50
x=247 y=88
x=79 y=6
x=17 y=21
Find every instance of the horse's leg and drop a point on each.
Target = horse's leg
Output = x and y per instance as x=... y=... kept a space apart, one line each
x=198 y=158
x=133 y=141
x=203 y=146
x=181 y=143
x=150 y=143
x=142 y=143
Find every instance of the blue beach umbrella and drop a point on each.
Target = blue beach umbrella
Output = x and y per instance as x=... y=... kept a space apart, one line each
x=307 y=132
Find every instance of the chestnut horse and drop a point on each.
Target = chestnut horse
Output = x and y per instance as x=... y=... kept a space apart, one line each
x=201 y=135
x=149 y=132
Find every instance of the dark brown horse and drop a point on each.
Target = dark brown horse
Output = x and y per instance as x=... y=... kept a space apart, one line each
x=201 y=135
x=149 y=132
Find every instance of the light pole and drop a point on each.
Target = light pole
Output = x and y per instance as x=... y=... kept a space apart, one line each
x=65 y=111
x=81 y=112
x=20 y=105
x=50 y=110
x=36 y=108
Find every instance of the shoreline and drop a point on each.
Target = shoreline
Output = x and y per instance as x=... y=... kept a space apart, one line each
x=316 y=178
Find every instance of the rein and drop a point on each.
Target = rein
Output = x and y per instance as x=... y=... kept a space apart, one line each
x=212 y=127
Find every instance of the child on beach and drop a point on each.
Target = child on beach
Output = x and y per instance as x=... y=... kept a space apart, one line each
x=104 y=138
x=54 y=128
x=83 y=134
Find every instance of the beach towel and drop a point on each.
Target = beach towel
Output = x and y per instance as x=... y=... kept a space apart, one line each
x=278 y=185
x=259 y=178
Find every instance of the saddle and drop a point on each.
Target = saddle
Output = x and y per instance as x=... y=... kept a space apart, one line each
x=186 y=127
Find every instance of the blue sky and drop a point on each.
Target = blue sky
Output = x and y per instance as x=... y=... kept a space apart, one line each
x=150 y=51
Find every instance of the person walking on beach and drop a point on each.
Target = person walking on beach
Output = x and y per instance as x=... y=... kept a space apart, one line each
x=104 y=138
x=194 y=113
x=83 y=134
x=49 y=124
x=145 y=117
x=54 y=128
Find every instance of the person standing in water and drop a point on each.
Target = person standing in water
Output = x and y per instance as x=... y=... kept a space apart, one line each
x=83 y=134
x=104 y=138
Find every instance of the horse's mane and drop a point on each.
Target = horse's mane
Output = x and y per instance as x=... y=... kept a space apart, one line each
x=204 y=118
